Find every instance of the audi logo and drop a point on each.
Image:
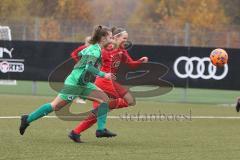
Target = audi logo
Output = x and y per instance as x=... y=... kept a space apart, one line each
x=201 y=71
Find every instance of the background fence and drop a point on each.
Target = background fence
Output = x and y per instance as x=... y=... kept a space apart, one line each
x=139 y=33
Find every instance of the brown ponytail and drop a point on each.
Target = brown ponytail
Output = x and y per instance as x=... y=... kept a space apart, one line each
x=99 y=32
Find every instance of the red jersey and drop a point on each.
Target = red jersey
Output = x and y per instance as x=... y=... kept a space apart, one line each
x=111 y=60
x=74 y=54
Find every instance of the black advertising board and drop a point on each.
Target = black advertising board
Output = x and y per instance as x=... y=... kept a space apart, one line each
x=187 y=66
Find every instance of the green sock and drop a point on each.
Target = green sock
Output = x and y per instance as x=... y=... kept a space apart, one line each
x=102 y=116
x=40 y=112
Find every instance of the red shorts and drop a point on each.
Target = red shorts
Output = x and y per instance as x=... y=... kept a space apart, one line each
x=112 y=88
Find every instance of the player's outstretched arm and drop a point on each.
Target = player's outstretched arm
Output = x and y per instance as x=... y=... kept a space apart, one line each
x=90 y=67
x=134 y=64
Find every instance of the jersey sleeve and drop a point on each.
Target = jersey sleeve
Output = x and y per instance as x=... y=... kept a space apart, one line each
x=76 y=53
x=90 y=67
x=129 y=61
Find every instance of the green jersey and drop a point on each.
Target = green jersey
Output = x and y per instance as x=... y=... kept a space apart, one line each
x=78 y=81
x=89 y=54
x=86 y=67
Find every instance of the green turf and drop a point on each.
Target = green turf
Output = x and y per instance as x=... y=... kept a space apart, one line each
x=195 y=139
x=176 y=95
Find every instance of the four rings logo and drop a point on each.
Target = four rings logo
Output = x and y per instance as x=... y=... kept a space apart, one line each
x=8 y=64
x=202 y=70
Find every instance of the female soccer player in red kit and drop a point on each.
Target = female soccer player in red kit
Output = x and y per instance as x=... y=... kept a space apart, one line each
x=111 y=59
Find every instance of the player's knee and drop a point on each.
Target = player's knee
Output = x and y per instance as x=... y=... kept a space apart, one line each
x=131 y=102
x=56 y=107
x=130 y=99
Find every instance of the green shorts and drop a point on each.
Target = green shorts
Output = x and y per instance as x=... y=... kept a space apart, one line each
x=69 y=93
x=74 y=88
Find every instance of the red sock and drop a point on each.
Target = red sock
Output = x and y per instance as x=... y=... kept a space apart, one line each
x=91 y=119
x=118 y=103
x=85 y=124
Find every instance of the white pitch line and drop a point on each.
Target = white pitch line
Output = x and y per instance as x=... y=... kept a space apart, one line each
x=140 y=117
x=214 y=117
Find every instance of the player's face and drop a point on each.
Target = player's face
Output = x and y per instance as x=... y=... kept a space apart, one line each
x=109 y=38
x=122 y=39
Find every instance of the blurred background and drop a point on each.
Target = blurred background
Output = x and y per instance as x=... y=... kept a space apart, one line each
x=211 y=23
x=178 y=34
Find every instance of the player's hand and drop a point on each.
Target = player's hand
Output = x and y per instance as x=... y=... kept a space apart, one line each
x=144 y=59
x=110 y=76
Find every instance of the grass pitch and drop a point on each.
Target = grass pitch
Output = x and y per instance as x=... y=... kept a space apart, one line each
x=193 y=139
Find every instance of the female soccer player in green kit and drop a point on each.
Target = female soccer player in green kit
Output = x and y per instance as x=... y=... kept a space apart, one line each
x=78 y=84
